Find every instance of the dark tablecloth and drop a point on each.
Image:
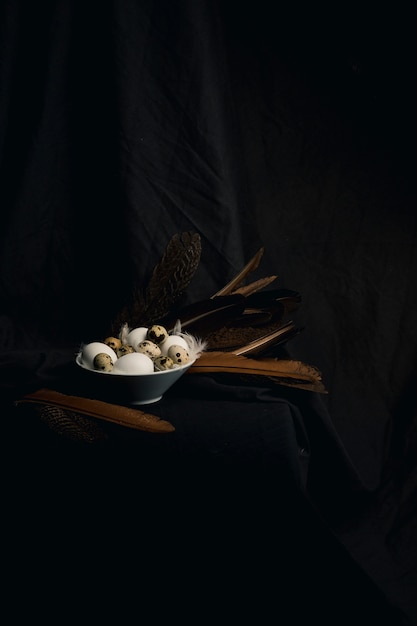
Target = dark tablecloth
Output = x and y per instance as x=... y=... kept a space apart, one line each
x=227 y=515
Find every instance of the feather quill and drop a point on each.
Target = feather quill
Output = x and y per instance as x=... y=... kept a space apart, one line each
x=237 y=280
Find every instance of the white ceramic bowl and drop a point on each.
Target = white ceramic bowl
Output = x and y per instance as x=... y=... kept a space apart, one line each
x=132 y=389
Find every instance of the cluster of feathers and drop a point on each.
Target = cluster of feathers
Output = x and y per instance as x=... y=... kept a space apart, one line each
x=234 y=332
x=238 y=329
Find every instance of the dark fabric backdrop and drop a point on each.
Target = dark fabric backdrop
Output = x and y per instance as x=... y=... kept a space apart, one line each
x=124 y=122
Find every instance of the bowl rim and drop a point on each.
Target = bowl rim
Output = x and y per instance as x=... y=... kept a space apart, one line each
x=176 y=368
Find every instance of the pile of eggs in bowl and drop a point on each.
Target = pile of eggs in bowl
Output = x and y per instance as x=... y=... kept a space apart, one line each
x=141 y=350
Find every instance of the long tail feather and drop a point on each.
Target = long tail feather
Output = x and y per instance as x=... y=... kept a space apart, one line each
x=282 y=371
x=118 y=414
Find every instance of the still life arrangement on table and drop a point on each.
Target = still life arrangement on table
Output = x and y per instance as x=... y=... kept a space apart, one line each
x=153 y=341
x=230 y=331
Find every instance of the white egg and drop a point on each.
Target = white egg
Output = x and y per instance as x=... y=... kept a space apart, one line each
x=133 y=363
x=136 y=336
x=173 y=340
x=90 y=350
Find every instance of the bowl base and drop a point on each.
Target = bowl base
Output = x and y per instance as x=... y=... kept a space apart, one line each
x=151 y=401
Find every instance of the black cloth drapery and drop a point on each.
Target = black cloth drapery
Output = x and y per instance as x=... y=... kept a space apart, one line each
x=124 y=122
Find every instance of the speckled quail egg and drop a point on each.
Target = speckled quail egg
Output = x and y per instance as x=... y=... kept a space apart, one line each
x=103 y=362
x=157 y=334
x=113 y=342
x=149 y=348
x=133 y=363
x=124 y=349
x=90 y=350
x=173 y=340
x=178 y=354
x=136 y=335
x=162 y=363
